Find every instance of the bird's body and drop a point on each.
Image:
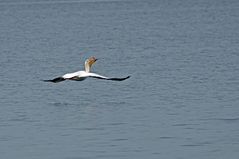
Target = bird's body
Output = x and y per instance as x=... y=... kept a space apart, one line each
x=82 y=75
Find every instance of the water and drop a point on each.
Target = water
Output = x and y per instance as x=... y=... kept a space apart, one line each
x=180 y=102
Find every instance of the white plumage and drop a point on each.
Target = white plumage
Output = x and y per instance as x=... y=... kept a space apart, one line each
x=82 y=75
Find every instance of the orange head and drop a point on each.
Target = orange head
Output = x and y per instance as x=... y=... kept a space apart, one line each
x=89 y=62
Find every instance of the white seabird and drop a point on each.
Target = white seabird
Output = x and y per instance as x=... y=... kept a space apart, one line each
x=82 y=75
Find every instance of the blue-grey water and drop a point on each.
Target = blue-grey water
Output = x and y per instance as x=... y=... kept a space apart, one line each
x=182 y=100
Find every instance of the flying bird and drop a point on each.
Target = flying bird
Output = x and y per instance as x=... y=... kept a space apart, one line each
x=82 y=75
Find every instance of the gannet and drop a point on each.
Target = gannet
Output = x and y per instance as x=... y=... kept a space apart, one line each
x=82 y=75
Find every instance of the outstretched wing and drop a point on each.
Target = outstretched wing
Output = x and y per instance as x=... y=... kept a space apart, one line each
x=56 y=80
x=94 y=75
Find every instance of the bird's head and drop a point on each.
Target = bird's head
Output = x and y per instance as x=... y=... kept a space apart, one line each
x=91 y=60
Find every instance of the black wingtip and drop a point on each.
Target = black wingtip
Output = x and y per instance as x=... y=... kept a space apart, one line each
x=55 y=80
x=46 y=80
x=126 y=77
x=119 y=79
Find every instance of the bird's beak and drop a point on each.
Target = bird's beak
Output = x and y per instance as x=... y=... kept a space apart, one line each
x=96 y=59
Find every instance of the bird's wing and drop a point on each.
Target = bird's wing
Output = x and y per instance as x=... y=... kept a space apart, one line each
x=94 y=75
x=64 y=77
x=56 y=80
x=89 y=62
x=71 y=75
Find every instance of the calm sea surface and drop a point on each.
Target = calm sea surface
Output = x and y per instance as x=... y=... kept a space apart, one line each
x=181 y=102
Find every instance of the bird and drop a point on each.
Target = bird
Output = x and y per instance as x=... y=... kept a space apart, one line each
x=82 y=75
